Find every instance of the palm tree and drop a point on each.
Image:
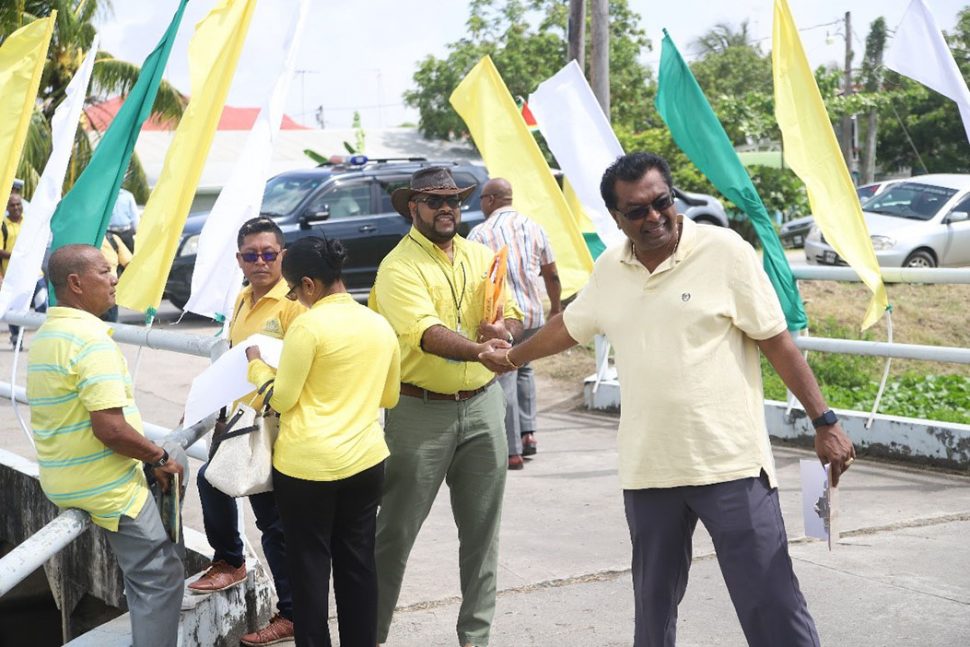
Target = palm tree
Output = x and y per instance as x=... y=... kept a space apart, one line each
x=721 y=37
x=74 y=32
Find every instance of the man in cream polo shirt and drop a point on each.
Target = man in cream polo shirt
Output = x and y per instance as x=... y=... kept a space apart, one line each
x=687 y=309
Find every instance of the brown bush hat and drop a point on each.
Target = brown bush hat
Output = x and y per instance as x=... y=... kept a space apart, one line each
x=433 y=180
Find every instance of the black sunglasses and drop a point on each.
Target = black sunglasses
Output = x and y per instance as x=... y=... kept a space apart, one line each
x=252 y=257
x=658 y=205
x=291 y=295
x=436 y=201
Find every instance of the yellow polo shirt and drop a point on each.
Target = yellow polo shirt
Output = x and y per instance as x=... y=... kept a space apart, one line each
x=692 y=403
x=270 y=316
x=13 y=230
x=73 y=368
x=340 y=365
x=418 y=287
x=115 y=258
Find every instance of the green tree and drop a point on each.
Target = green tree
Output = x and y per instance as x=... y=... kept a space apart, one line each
x=527 y=42
x=735 y=75
x=74 y=33
x=871 y=76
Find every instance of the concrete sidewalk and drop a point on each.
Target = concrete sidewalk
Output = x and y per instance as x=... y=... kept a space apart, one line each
x=899 y=576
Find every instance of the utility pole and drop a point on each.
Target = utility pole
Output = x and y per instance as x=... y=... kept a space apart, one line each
x=847 y=124
x=303 y=73
x=577 y=33
x=599 y=68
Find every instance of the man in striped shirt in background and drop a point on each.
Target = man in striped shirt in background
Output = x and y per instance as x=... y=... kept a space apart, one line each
x=530 y=256
x=90 y=444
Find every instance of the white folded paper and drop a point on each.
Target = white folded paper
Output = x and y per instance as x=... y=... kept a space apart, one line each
x=225 y=381
x=819 y=501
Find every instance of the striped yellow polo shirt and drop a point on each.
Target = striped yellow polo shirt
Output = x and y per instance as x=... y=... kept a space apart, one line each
x=74 y=367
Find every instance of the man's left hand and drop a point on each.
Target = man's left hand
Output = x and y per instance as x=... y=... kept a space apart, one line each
x=494 y=330
x=253 y=353
x=164 y=473
x=834 y=447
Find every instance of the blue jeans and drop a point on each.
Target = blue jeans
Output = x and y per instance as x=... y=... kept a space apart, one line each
x=219 y=516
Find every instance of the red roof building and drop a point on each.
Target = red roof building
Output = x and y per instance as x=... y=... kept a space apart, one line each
x=99 y=116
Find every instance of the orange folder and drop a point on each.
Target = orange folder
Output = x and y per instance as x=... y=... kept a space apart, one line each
x=495 y=285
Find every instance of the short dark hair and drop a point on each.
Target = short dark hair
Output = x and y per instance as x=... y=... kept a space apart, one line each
x=259 y=225
x=630 y=168
x=314 y=257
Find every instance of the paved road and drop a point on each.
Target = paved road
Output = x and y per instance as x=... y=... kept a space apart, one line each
x=899 y=576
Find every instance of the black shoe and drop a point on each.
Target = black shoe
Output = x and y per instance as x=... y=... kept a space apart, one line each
x=529 y=444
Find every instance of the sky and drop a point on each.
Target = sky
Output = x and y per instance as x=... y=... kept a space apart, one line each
x=362 y=54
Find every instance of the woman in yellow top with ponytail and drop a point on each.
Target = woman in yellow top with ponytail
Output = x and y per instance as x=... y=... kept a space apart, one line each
x=339 y=365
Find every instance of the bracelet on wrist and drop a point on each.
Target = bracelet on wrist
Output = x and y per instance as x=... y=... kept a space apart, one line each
x=508 y=360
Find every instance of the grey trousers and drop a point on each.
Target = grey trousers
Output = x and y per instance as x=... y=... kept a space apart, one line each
x=520 y=402
x=744 y=520
x=154 y=577
x=462 y=443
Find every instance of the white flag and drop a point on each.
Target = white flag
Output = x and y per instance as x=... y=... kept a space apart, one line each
x=217 y=279
x=28 y=252
x=920 y=52
x=580 y=137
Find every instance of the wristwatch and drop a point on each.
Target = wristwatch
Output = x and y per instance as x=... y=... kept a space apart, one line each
x=161 y=461
x=827 y=418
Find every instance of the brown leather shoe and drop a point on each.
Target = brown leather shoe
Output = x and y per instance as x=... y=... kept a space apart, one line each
x=516 y=462
x=278 y=630
x=220 y=576
x=529 y=444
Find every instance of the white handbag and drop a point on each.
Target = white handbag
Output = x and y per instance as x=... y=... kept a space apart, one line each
x=241 y=460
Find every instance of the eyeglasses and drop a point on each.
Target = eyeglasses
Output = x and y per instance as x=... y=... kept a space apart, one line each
x=252 y=257
x=435 y=201
x=291 y=295
x=658 y=205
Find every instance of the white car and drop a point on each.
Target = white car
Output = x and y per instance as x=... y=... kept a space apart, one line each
x=920 y=222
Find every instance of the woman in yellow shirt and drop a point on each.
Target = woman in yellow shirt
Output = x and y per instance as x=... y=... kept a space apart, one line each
x=339 y=365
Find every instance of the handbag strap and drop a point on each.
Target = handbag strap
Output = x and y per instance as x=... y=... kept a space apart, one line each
x=238 y=432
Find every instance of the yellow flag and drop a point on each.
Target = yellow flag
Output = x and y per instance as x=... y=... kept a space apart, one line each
x=813 y=153
x=583 y=222
x=213 y=54
x=22 y=58
x=509 y=151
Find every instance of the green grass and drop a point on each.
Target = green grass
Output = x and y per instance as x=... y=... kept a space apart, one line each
x=851 y=382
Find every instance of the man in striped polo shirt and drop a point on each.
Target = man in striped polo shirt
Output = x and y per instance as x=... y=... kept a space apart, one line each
x=90 y=443
x=530 y=256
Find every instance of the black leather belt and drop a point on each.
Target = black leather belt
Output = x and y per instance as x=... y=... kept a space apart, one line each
x=418 y=392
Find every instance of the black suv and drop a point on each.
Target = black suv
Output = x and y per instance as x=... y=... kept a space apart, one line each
x=350 y=202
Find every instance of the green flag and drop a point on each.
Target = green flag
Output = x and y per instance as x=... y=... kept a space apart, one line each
x=698 y=133
x=83 y=214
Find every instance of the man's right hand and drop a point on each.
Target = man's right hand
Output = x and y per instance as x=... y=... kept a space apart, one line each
x=492 y=355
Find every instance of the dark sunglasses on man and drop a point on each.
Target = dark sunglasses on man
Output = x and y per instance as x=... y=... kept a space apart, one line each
x=252 y=257
x=435 y=201
x=639 y=213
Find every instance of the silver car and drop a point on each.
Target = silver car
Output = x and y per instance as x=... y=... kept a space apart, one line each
x=700 y=207
x=920 y=222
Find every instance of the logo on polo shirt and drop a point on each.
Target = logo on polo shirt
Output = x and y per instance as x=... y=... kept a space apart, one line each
x=685 y=297
x=273 y=327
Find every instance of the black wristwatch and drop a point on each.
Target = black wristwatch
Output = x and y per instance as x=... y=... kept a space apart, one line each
x=161 y=461
x=826 y=419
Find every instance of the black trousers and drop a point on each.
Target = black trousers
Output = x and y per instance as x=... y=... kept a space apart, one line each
x=744 y=520
x=332 y=522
